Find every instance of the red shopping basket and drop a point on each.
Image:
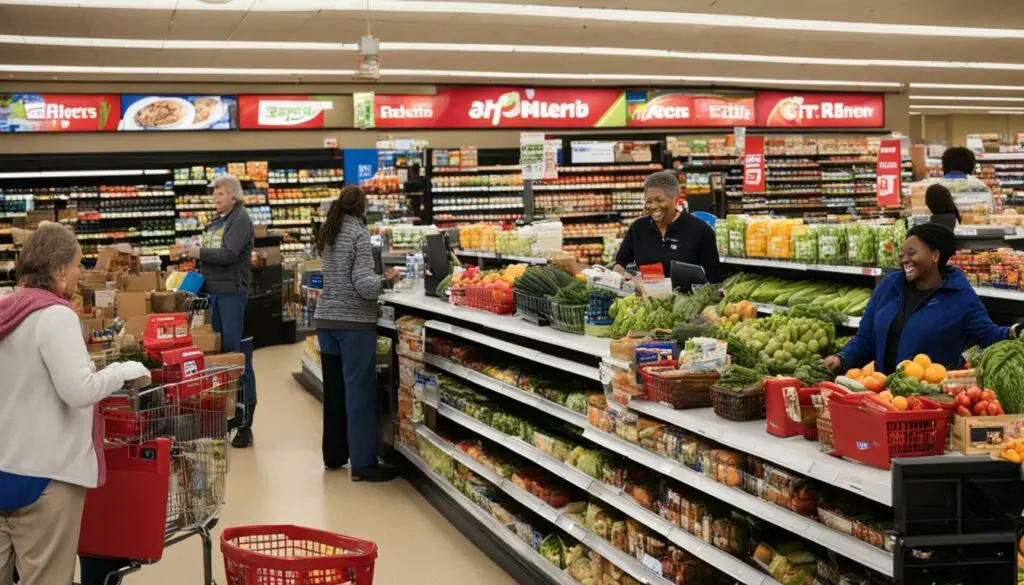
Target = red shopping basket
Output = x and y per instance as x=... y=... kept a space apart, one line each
x=293 y=555
x=874 y=436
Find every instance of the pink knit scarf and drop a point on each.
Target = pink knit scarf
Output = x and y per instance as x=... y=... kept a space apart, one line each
x=14 y=309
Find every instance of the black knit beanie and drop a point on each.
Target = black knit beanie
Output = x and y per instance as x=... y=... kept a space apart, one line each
x=936 y=237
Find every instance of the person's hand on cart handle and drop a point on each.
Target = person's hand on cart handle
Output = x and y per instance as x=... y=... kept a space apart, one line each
x=392 y=274
x=834 y=362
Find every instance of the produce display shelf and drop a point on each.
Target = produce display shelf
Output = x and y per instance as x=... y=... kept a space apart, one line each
x=584 y=344
x=503 y=257
x=478 y=189
x=305 y=181
x=614 y=497
x=513 y=542
x=768 y=309
x=507 y=390
x=794 y=453
x=787 y=265
x=850 y=547
x=516 y=350
x=999 y=293
x=591 y=187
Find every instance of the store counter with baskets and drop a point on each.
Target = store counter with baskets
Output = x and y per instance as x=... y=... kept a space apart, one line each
x=680 y=453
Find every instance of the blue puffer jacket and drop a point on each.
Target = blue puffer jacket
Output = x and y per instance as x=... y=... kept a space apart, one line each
x=951 y=320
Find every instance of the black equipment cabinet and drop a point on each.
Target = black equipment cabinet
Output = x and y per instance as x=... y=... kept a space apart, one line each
x=957 y=520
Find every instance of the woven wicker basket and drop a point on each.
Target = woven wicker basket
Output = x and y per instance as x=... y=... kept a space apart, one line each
x=739 y=405
x=680 y=389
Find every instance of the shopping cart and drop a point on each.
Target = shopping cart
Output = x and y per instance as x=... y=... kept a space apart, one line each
x=167 y=460
x=293 y=555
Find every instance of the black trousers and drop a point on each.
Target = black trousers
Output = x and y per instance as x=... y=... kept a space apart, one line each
x=335 y=437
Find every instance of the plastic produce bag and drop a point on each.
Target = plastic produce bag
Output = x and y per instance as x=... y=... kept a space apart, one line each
x=832 y=245
x=860 y=245
x=737 y=236
x=757 y=238
x=722 y=237
x=804 y=244
x=888 y=241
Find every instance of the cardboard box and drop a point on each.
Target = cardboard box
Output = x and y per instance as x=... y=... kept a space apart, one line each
x=271 y=256
x=231 y=377
x=164 y=302
x=985 y=435
x=132 y=304
x=135 y=327
x=101 y=298
x=116 y=259
x=142 y=282
x=208 y=342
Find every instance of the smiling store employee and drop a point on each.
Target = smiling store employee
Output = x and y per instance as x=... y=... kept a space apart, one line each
x=666 y=234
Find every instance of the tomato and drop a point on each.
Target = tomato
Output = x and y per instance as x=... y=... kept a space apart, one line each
x=974 y=393
x=999 y=411
x=988 y=395
x=963 y=411
x=980 y=409
x=963 y=399
x=993 y=408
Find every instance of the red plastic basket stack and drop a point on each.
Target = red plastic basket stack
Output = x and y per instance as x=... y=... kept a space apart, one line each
x=259 y=555
x=484 y=298
x=678 y=390
x=872 y=435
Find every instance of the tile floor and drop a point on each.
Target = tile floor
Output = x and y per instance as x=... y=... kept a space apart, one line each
x=282 y=480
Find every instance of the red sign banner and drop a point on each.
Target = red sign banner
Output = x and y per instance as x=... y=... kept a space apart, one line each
x=753 y=165
x=820 y=110
x=34 y=112
x=673 y=110
x=282 y=112
x=503 y=107
x=887 y=174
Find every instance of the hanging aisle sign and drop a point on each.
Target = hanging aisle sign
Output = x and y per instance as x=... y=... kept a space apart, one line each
x=887 y=175
x=753 y=165
x=820 y=110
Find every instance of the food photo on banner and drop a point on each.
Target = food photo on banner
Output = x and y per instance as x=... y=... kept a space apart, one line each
x=667 y=109
x=181 y=112
x=36 y=112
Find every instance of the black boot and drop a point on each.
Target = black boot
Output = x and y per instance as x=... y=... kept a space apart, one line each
x=243 y=438
x=378 y=473
x=335 y=430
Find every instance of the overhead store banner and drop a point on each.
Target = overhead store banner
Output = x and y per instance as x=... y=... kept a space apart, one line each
x=171 y=112
x=753 y=165
x=40 y=112
x=283 y=112
x=887 y=173
x=655 y=109
x=820 y=110
x=503 y=107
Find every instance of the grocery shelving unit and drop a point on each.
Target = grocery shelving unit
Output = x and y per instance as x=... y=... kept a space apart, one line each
x=474 y=185
x=581 y=356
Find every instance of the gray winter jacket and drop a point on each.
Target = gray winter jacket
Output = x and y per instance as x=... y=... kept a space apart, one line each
x=226 y=255
x=351 y=287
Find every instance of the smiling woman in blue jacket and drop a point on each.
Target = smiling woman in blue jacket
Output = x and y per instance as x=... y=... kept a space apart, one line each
x=927 y=308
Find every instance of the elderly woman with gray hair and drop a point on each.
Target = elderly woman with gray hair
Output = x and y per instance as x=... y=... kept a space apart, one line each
x=50 y=435
x=667 y=234
x=225 y=262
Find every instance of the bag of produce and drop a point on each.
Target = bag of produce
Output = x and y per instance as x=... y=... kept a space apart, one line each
x=737 y=226
x=779 y=236
x=804 y=244
x=888 y=240
x=722 y=237
x=832 y=245
x=757 y=238
x=860 y=240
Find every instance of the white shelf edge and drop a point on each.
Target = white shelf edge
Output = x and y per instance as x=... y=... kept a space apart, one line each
x=522 y=396
x=795 y=453
x=717 y=558
x=313 y=368
x=387 y=324
x=565 y=365
x=599 y=545
x=514 y=543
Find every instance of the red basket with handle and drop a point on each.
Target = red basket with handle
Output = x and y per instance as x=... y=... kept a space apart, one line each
x=866 y=431
x=255 y=555
x=493 y=299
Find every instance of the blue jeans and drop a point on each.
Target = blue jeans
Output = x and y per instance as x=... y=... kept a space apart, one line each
x=350 y=405
x=228 y=318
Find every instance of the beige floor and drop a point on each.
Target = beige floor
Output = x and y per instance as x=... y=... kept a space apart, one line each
x=282 y=480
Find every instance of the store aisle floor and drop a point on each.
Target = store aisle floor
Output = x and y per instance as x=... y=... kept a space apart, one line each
x=282 y=480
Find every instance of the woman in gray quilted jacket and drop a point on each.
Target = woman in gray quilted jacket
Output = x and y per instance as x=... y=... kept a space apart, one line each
x=346 y=326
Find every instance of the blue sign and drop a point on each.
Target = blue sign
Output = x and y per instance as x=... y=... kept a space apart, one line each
x=360 y=165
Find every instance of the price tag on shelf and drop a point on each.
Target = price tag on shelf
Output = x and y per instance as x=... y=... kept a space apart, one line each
x=667 y=468
x=969 y=232
x=652 y=564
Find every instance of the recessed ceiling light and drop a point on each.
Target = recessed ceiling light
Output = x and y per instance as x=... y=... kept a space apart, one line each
x=414 y=73
x=557 y=12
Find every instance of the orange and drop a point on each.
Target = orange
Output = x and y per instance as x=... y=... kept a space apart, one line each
x=873 y=384
x=902 y=365
x=914 y=370
x=934 y=374
x=900 y=403
x=855 y=374
x=869 y=369
x=886 y=396
x=922 y=360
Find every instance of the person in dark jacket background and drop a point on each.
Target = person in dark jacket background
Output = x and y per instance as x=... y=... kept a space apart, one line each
x=940 y=202
x=927 y=308
x=225 y=260
x=667 y=234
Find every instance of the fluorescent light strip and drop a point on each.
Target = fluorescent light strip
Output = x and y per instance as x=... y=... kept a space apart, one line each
x=502 y=49
x=552 y=12
x=417 y=73
x=116 y=173
x=955 y=107
x=966 y=98
x=974 y=86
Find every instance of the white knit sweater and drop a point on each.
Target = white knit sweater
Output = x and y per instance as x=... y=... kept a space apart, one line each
x=47 y=395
